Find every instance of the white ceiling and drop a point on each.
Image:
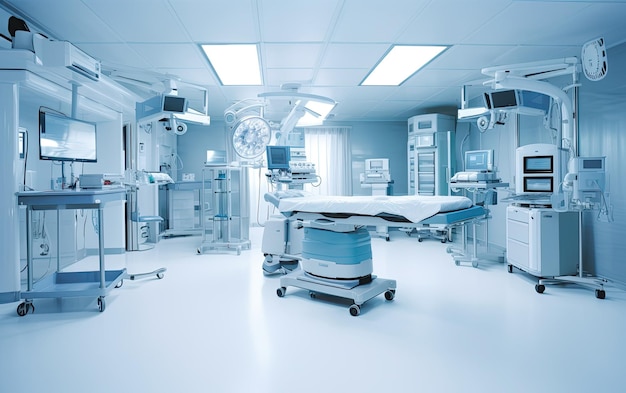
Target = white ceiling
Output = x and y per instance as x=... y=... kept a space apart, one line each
x=328 y=46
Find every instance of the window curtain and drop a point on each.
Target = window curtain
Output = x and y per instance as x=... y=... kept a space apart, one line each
x=329 y=149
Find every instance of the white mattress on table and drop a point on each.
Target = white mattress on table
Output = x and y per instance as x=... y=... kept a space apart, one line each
x=413 y=207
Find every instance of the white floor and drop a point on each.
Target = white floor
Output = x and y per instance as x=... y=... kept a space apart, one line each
x=215 y=324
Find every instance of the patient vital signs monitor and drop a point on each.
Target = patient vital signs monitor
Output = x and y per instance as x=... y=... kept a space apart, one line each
x=539 y=168
x=479 y=160
x=278 y=157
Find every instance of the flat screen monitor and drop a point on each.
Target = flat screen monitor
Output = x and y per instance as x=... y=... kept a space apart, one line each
x=479 y=160
x=174 y=104
x=501 y=99
x=377 y=164
x=278 y=157
x=539 y=164
x=63 y=138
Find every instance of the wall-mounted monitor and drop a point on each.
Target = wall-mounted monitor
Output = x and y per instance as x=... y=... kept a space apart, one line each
x=278 y=157
x=63 y=138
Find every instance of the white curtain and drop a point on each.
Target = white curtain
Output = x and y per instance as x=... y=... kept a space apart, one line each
x=329 y=149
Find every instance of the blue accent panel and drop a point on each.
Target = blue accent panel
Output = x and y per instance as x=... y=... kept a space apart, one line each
x=455 y=216
x=346 y=248
x=9 y=297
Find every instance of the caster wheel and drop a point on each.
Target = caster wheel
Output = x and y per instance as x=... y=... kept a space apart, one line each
x=24 y=308
x=198 y=251
x=444 y=241
x=540 y=288
x=101 y=304
x=474 y=264
x=458 y=263
x=419 y=239
x=387 y=238
x=390 y=294
x=160 y=275
x=510 y=268
x=312 y=295
x=355 y=310
x=281 y=291
x=119 y=284
x=600 y=293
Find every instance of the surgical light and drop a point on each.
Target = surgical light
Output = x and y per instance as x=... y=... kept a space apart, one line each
x=235 y=64
x=400 y=63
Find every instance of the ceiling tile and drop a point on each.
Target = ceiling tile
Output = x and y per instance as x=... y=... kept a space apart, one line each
x=374 y=20
x=290 y=21
x=290 y=55
x=140 y=20
x=441 y=23
x=340 y=76
x=353 y=55
x=232 y=21
x=528 y=22
x=171 y=55
x=279 y=76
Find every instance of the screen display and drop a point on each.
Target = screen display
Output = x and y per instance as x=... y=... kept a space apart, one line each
x=174 y=104
x=63 y=138
x=539 y=164
x=478 y=160
x=376 y=164
x=592 y=164
x=278 y=157
x=538 y=184
x=503 y=99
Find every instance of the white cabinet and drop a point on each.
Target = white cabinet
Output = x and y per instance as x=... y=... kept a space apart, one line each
x=542 y=241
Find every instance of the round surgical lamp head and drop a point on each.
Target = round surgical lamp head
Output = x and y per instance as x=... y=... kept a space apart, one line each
x=251 y=135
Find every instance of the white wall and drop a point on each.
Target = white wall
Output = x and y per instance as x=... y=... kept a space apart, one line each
x=602 y=132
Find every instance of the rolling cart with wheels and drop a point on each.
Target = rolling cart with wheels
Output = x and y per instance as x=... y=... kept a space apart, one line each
x=69 y=284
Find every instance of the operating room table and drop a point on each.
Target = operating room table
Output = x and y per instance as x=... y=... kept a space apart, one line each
x=391 y=211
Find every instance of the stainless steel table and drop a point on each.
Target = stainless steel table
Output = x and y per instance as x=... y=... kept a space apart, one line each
x=69 y=284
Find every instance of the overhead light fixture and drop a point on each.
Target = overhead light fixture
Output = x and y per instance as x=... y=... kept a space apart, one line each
x=235 y=64
x=400 y=63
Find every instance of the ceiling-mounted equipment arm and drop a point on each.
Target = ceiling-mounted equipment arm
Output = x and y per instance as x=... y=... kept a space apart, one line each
x=289 y=122
x=526 y=76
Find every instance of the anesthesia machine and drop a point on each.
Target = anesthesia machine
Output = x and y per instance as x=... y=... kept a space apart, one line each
x=282 y=238
x=378 y=178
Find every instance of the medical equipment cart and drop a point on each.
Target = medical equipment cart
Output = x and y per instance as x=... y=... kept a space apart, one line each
x=69 y=284
x=472 y=254
x=225 y=211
